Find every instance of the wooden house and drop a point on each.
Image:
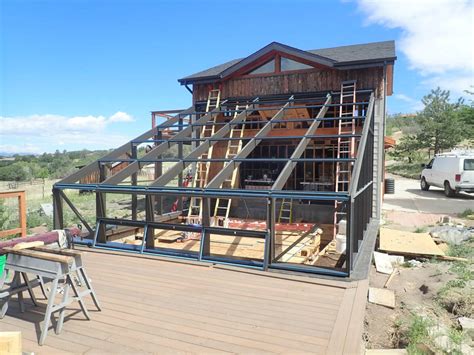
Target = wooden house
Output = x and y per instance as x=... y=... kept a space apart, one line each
x=278 y=163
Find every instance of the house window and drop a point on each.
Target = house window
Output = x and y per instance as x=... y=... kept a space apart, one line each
x=289 y=64
x=268 y=67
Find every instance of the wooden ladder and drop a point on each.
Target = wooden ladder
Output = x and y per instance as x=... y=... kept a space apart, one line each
x=286 y=211
x=345 y=145
x=202 y=167
x=234 y=145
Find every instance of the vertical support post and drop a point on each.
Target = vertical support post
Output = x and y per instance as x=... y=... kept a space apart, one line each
x=158 y=172
x=150 y=217
x=277 y=238
x=22 y=210
x=206 y=222
x=100 y=208
x=58 y=212
x=270 y=237
x=349 y=208
x=134 y=183
x=180 y=156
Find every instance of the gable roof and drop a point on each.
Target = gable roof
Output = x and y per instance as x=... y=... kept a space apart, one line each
x=367 y=54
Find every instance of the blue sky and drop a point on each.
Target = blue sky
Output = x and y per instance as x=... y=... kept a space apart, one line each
x=73 y=70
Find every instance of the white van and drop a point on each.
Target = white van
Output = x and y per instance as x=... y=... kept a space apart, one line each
x=453 y=172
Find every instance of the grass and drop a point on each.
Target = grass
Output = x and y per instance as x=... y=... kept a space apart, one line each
x=466 y=213
x=417 y=334
x=421 y=230
x=408 y=170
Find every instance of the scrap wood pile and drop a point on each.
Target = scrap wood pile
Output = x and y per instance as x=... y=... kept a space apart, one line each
x=397 y=248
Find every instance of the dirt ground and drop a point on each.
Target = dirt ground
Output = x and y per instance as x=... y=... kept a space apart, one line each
x=415 y=292
x=438 y=291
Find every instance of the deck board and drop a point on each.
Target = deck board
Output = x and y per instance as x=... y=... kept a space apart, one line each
x=151 y=305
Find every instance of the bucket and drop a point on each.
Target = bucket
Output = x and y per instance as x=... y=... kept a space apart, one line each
x=342 y=227
x=389 y=186
x=340 y=243
x=3 y=260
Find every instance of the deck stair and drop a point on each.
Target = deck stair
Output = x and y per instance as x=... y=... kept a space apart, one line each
x=202 y=166
x=286 y=211
x=345 y=145
x=222 y=207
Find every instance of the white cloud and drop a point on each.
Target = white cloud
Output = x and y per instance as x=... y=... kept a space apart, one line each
x=437 y=36
x=413 y=104
x=121 y=117
x=40 y=133
x=48 y=125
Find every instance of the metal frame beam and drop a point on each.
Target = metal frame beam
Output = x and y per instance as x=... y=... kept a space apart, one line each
x=217 y=181
x=361 y=149
x=200 y=150
x=156 y=151
x=126 y=148
x=290 y=165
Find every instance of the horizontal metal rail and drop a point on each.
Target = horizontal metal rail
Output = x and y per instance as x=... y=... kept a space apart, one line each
x=223 y=160
x=209 y=192
x=277 y=107
x=271 y=138
x=288 y=120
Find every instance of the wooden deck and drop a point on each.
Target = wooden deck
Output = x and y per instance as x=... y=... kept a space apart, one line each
x=152 y=305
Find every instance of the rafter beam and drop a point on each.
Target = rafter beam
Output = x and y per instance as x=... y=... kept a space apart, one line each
x=290 y=165
x=126 y=148
x=156 y=151
x=247 y=149
x=201 y=149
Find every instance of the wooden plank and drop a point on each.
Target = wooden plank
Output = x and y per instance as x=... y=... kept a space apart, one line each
x=41 y=255
x=382 y=297
x=402 y=242
x=10 y=343
x=353 y=341
x=28 y=245
x=340 y=331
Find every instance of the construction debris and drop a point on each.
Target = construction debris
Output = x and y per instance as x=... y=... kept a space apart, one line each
x=406 y=243
x=452 y=234
x=385 y=263
x=382 y=297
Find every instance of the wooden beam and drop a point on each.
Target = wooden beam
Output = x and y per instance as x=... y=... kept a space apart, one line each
x=290 y=165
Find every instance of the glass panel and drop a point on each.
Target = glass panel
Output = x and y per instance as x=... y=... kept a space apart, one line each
x=268 y=67
x=289 y=64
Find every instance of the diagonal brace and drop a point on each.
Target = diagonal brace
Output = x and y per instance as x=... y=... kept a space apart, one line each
x=201 y=149
x=290 y=165
x=156 y=151
x=248 y=148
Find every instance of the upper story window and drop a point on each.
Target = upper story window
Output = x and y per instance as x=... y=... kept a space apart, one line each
x=279 y=64
x=289 y=64
x=268 y=67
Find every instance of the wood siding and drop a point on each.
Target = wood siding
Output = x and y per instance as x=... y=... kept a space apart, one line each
x=295 y=82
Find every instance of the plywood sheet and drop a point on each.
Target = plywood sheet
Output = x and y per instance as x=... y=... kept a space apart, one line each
x=401 y=242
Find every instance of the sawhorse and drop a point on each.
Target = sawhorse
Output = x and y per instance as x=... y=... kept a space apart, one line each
x=52 y=265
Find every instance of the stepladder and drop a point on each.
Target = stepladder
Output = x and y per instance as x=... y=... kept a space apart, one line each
x=286 y=211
